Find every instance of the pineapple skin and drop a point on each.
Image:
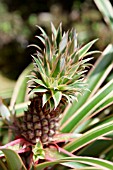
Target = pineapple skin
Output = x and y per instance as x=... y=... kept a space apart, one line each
x=39 y=124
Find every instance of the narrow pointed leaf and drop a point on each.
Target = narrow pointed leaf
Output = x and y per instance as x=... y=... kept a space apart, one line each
x=59 y=35
x=20 y=89
x=94 y=80
x=43 y=32
x=39 y=89
x=108 y=102
x=48 y=49
x=90 y=136
x=46 y=97
x=96 y=162
x=92 y=52
x=2 y=166
x=63 y=43
x=40 y=82
x=4 y=112
x=34 y=45
x=88 y=108
x=56 y=68
x=106 y=9
x=13 y=160
x=53 y=30
x=40 y=66
x=57 y=95
x=41 y=39
x=85 y=48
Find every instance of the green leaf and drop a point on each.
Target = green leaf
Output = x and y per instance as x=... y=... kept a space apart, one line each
x=34 y=45
x=54 y=31
x=39 y=64
x=96 y=162
x=2 y=166
x=20 y=89
x=46 y=97
x=56 y=68
x=4 y=112
x=91 y=52
x=39 y=90
x=94 y=80
x=48 y=49
x=38 y=151
x=14 y=161
x=89 y=107
x=106 y=9
x=83 y=51
x=73 y=40
x=90 y=136
x=41 y=39
x=20 y=108
x=97 y=148
x=57 y=95
x=59 y=35
x=40 y=82
x=104 y=105
x=43 y=32
x=51 y=104
x=63 y=42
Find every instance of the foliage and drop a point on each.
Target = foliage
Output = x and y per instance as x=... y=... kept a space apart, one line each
x=86 y=126
x=83 y=125
x=61 y=67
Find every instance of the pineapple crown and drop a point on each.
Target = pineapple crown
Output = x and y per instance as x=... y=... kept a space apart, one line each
x=59 y=68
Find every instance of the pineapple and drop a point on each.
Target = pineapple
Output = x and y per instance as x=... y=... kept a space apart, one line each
x=56 y=80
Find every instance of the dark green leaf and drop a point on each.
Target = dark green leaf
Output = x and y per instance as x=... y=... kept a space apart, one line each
x=59 y=35
x=2 y=165
x=13 y=160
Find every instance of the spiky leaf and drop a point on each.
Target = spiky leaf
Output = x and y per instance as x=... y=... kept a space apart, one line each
x=60 y=68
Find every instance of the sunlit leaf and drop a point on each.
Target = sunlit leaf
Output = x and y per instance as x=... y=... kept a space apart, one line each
x=57 y=95
x=88 y=108
x=94 y=80
x=96 y=162
x=82 y=51
x=63 y=43
x=90 y=136
x=106 y=9
x=4 y=111
x=46 y=97
x=20 y=89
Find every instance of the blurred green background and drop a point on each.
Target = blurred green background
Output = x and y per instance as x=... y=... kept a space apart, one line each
x=17 y=30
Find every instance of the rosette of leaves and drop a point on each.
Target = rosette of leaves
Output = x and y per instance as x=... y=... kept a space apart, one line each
x=86 y=131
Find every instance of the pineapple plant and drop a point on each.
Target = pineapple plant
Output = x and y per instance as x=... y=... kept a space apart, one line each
x=85 y=128
x=56 y=80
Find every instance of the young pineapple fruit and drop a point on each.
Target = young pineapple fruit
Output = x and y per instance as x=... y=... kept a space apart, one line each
x=56 y=80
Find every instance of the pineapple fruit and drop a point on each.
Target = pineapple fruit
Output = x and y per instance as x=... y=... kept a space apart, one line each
x=56 y=80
